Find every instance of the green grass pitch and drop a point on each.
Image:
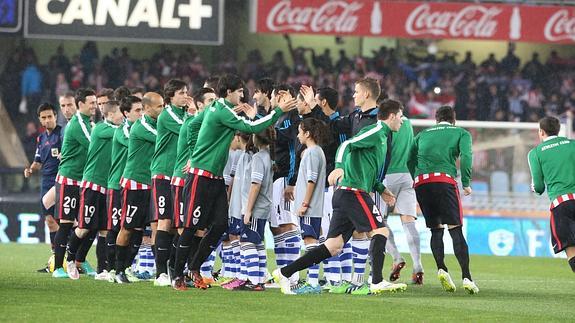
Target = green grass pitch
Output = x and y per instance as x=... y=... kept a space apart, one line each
x=512 y=289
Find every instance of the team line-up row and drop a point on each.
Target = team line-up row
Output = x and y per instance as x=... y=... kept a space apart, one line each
x=211 y=171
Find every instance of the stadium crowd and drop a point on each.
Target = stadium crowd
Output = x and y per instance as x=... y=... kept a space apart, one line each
x=498 y=90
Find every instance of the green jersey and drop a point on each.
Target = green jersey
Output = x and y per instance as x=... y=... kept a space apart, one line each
x=183 y=151
x=401 y=142
x=362 y=158
x=99 y=161
x=75 y=147
x=436 y=149
x=140 y=150
x=169 y=124
x=193 y=130
x=552 y=165
x=218 y=128
x=119 y=154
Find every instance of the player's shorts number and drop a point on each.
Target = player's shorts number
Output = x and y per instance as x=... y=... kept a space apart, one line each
x=116 y=214
x=70 y=202
x=161 y=201
x=130 y=212
x=196 y=215
x=89 y=210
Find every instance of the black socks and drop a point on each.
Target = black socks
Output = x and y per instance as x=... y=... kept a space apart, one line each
x=461 y=251
x=377 y=253
x=60 y=243
x=134 y=246
x=101 y=254
x=121 y=256
x=87 y=243
x=183 y=251
x=314 y=256
x=111 y=249
x=53 y=240
x=437 y=248
x=73 y=245
x=163 y=242
x=207 y=245
x=572 y=264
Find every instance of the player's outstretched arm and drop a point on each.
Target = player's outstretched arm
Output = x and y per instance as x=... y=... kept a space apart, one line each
x=230 y=119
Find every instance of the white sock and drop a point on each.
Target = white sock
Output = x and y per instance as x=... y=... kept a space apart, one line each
x=413 y=241
x=236 y=258
x=252 y=261
x=262 y=255
x=360 y=252
x=292 y=250
x=312 y=271
x=227 y=261
x=346 y=262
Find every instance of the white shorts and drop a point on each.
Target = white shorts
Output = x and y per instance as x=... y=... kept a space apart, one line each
x=401 y=185
x=327 y=212
x=282 y=209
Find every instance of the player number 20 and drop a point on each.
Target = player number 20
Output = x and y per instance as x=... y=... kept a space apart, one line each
x=69 y=202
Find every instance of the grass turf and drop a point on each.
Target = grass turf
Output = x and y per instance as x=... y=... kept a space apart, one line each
x=512 y=289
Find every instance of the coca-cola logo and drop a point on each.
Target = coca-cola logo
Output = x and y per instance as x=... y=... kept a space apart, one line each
x=560 y=26
x=471 y=21
x=331 y=16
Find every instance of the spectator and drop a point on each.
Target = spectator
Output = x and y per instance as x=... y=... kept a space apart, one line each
x=516 y=106
x=553 y=107
x=492 y=91
x=31 y=85
x=510 y=63
x=533 y=70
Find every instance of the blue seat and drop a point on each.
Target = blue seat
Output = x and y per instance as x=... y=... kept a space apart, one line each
x=521 y=188
x=478 y=186
x=499 y=181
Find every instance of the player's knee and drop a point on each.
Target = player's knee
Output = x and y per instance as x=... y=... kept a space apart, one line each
x=309 y=240
x=572 y=263
x=218 y=230
x=380 y=231
x=452 y=227
x=66 y=226
x=81 y=233
x=377 y=244
x=407 y=218
x=165 y=225
x=456 y=231
x=334 y=245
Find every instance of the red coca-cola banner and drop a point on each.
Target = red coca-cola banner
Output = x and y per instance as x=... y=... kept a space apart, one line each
x=550 y=24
